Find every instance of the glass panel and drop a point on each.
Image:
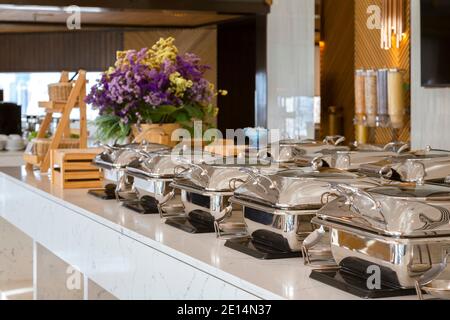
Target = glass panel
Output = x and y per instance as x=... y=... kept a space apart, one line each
x=27 y=89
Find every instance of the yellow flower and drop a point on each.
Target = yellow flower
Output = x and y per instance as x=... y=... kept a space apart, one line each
x=223 y=92
x=110 y=70
x=179 y=85
x=163 y=49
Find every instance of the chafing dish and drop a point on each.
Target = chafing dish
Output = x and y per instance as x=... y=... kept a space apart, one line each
x=205 y=191
x=428 y=164
x=152 y=176
x=114 y=159
x=278 y=208
x=435 y=281
x=353 y=160
x=288 y=151
x=401 y=230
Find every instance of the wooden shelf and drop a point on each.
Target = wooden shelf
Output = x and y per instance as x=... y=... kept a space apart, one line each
x=54 y=106
x=32 y=159
x=75 y=100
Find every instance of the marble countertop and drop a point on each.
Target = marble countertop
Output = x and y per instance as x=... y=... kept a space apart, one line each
x=11 y=153
x=278 y=279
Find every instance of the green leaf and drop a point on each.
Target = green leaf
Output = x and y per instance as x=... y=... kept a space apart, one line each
x=181 y=116
x=194 y=111
x=111 y=127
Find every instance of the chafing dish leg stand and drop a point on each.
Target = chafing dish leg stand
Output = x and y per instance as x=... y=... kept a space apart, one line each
x=106 y=193
x=144 y=205
x=262 y=244
x=207 y=214
x=196 y=222
x=357 y=284
x=254 y=247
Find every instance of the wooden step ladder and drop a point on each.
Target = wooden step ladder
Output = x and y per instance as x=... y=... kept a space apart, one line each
x=75 y=100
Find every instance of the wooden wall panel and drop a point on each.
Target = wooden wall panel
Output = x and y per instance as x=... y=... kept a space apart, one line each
x=337 y=84
x=370 y=55
x=34 y=52
x=202 y=42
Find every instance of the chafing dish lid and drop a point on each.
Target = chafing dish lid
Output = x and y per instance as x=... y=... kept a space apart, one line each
x=217 y=175
x=298 y=188
x=119 y=156
x=401 y=212
x=322 y=173
x=164 y=164
x=414 y=192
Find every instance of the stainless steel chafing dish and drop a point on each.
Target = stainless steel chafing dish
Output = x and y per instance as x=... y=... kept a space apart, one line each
x=428 y=164
x=205 y=191
x=114 y=159
x=278 y=208
x=117 y=157
x=288 y=151
x=152 y=176
x=403 y=230
x=353 y=160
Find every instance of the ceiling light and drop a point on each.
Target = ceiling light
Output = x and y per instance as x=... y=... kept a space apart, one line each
x=392 y=12
x=49 y=8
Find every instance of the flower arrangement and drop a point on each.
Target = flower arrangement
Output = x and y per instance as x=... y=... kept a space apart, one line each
x=156 y=85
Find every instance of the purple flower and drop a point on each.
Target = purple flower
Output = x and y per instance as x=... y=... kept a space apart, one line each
x=133 y=87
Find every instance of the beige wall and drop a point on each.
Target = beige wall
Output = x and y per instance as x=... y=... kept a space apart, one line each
x=430 y=108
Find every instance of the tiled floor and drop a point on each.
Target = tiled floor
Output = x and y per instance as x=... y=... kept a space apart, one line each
x=16 y=271
x=16 y=263
x=16 y=290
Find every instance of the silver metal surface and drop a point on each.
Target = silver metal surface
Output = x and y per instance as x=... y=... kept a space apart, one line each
x=298 y=189
x=293 y=226
x=289 y=151
x=403 y=230
x=428 y=164
x=396 y=211
x=119 y=156
x=403 y=260
x=288 y=200
x=353 y=159
x=435 y=281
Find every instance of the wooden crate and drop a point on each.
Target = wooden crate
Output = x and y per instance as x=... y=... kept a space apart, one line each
x=73 y=169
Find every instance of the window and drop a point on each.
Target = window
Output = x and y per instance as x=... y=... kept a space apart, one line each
x=27 y=89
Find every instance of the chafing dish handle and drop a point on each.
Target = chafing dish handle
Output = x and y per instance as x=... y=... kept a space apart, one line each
x=314 y=238
x=402 y=147
x=317 y=163
x=204 y=172
x=106 y=146
x=255 y=174
x=163 y=203
x=349 y=192
x=386 y=172
x=224 y=214
x=432 y=274
x=334 y=140
x=233 y=184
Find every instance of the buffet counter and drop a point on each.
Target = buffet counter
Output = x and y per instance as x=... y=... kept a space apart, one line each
x=136 y=256
x=11 y=158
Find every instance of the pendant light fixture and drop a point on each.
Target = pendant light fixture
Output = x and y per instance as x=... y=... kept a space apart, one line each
x=392 y=23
